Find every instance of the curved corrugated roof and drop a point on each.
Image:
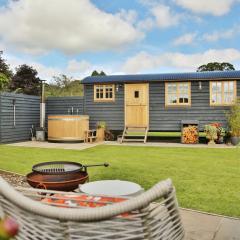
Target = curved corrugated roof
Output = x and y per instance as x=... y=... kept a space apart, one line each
x=162 y=77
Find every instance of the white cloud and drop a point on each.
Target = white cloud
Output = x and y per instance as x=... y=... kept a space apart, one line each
x=223 y=34
x=185 y=39
x=161 y=16
x=75 y=66
x=44 y=72
x=143 y=61
x=129 y=16
x=70 y=26
x=213 y=7
x=83 y=68
x=146 y=24
x=164 y=17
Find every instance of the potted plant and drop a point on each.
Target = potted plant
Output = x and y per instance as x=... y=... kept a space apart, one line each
x=228 y=137
x=101 y=126
x=211 y=133
x=221 y=132
x=233 y=118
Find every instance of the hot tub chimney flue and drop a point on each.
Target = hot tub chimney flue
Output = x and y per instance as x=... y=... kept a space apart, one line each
x=42 y=105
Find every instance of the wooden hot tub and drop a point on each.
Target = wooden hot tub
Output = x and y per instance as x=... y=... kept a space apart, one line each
x=67 y=128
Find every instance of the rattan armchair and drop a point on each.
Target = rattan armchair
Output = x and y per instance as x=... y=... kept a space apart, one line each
x=152 y=215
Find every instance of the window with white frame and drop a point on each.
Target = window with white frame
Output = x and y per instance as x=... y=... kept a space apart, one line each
x=177 y=93
x=222 y=92
x=104 y=92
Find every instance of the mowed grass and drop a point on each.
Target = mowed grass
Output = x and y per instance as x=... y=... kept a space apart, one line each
x=205 y=179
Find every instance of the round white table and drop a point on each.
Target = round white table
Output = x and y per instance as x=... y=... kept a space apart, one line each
x=111 y=188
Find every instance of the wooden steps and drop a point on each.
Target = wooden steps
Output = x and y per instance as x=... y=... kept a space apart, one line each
x=134 y=134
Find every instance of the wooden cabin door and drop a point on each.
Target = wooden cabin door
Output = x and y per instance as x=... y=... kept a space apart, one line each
x=136 y=105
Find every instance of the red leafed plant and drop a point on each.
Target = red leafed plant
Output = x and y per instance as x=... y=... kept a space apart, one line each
x=216 y=124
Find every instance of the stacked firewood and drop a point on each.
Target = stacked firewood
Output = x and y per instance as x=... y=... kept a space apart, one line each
x=190 y=134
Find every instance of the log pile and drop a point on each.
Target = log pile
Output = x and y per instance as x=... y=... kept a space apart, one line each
x=190 y=134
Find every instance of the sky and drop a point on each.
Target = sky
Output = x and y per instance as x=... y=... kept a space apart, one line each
x=75 y=37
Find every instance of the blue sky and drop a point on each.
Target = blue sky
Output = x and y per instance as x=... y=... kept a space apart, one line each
x=75 y=37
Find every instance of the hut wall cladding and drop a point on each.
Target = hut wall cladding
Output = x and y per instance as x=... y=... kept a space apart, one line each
x=27 y=114
x=110 y=112
x=169 y=118
x=161 y=118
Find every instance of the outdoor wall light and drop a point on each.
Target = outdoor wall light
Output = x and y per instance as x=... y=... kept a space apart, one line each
x=118 y=86
x=200 y=85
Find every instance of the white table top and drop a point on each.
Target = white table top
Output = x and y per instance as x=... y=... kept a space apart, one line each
x=111 y=188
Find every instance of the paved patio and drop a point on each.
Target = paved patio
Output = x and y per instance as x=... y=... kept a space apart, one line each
x=169 y=144
x=82 y=146
x=203 y=226
x=73 y=146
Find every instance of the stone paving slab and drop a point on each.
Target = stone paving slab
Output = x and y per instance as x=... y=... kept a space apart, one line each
x=82 y=146
x=229 y=229
x=73 y=146
x=202 y=226
x=167 y=144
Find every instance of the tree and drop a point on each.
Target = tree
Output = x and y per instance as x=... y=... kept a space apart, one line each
x=102 y=73
x=4 y=67
x=5 y=73
x=3 y=81
x=26 y=80
x=216 y=66
x=63 y=85
x=96 y=73
x=62 y=80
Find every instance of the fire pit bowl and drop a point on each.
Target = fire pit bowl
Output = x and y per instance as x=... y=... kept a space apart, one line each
x=58 y=183
x=59 y=175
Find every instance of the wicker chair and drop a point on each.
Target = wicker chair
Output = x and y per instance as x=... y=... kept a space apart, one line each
x=135 y=218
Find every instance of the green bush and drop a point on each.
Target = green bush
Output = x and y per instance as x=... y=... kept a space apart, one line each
x=101 y=124
x=211 y=133
x=3 y=81
x=233 y=118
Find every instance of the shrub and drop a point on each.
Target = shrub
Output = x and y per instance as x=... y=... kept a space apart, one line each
x=221 y=132
x=233 y=118
x=101 y=124
x=211 y=133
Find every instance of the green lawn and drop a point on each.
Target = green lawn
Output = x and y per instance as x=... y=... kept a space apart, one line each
x=205 y=179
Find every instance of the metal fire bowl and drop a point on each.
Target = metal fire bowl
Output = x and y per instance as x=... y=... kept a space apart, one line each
x=61 y=182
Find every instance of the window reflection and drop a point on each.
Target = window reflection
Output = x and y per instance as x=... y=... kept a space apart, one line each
x=222 y=92
x=178 y=93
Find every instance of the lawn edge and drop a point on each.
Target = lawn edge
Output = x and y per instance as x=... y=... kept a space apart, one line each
x=208 y=213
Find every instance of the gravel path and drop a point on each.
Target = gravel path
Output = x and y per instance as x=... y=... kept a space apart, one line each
x=14 y=179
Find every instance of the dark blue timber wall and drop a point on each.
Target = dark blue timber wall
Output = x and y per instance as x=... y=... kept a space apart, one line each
x=161 y=118
x=62 y=105
x=169 y=118
x=27 y=114
x=110 y=112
